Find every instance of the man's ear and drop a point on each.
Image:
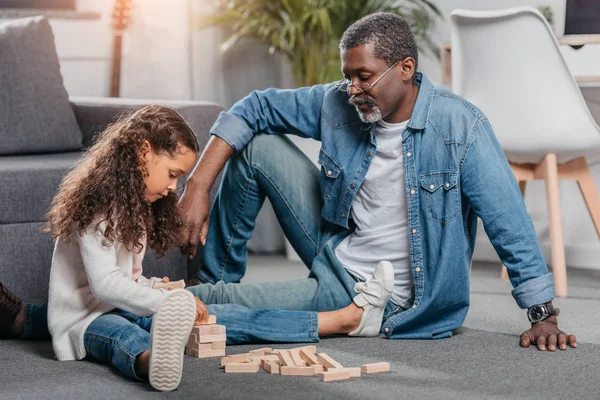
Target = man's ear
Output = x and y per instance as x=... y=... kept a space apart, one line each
x=408 y=68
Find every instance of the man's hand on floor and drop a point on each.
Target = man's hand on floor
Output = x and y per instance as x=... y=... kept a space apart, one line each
x=546 y=335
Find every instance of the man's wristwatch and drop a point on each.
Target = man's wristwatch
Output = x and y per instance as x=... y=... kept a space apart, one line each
x=540 y=312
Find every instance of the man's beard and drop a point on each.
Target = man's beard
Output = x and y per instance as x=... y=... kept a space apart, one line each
x=373 y=116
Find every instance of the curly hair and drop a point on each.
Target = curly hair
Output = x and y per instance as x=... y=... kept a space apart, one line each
x=107 y=184
x=390 y=35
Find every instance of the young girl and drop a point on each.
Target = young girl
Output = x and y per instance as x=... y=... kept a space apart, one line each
x=117 y=201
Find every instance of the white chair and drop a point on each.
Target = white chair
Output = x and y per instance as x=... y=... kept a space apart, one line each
x=508 y=63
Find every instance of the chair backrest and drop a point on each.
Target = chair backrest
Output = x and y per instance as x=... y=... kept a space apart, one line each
x=508 y=63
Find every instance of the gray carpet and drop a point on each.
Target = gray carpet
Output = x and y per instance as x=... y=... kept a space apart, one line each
x=482 y=359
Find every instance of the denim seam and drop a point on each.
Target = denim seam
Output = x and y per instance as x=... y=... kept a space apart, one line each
x=440 y=135
x=288 y=206
x=226 y=255
x=28 y=325
x=313 y=337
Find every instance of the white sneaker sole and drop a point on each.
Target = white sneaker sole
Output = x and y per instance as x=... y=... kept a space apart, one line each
x=171 y=327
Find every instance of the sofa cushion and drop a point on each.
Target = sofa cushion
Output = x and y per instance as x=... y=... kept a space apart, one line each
x=35 y=114
x=29 y=183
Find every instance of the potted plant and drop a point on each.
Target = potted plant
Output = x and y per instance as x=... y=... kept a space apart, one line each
x=307 y=32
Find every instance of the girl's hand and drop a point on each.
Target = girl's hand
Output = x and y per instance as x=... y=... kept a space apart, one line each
x=165 y=279
x=201 y=311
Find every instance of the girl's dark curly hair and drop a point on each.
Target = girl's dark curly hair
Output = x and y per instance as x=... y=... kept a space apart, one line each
x=107 y=184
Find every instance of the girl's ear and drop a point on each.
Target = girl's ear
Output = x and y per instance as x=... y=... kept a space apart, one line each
x=146 y=150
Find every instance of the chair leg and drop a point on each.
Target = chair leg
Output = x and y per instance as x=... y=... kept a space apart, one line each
x=585 y=180
x=549 y=170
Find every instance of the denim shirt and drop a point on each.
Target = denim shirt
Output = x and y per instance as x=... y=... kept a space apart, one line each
x=455 y=171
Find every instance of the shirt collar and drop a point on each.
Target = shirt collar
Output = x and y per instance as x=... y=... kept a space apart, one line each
x=418 y=118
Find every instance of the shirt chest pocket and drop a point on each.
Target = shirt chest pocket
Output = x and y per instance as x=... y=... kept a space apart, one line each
x=441 y=196
x=330 y=171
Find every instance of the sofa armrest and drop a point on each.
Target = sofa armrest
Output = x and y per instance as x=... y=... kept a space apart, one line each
x=95 y=113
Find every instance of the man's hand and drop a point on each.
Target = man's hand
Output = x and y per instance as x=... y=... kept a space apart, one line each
x=546 y=333
x=195 y=207
x=201 y=311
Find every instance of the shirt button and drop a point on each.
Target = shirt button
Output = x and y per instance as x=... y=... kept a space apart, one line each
x=447 y=185
x=430 y=186
x=414 y=231
x=369 y=154
x=418 y=269
x=414 y=306
x=99 y=233
x=386 y=330
x=329 y=173
x=412 y=191
x=343 y=215
x=352 y=186
x=408 y=154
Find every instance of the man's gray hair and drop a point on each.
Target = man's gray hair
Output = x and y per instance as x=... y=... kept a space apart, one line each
x=390 y=35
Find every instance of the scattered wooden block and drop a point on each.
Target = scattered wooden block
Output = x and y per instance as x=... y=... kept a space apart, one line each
x=298 y=361
x=235 y=358
x=285 y=359
x=335 y=374
x=241 y=368
x=375 y=368
x=270 y=367
x=328 y=362
x=260 y=352
x=311 y=348
x=211 y=320
x=180 y=284
x=354 y=372
x=297 y=371
x=271 y=357
x=309 y=357
x=318 y=368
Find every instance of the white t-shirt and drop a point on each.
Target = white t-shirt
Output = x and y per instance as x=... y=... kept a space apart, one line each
x=380 y=213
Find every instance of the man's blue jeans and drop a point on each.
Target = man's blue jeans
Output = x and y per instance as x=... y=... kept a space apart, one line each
x=273 y=167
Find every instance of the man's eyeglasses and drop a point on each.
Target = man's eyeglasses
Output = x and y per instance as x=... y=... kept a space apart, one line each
x=362 y=86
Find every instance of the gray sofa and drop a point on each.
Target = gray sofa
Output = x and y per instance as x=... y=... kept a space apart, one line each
x=42 y=134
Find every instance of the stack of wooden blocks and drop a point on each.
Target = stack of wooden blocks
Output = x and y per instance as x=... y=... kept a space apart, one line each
x=207 y=339
x=300 y=361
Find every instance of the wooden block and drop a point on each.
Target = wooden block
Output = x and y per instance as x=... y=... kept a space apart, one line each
x=271 y=357
x=298 y=361
x=318 y=368
x=328 y=362
x=270 y=367
x=235 y=358
x=354 y=372
x=203 y=330
x=199 y=346
x=212 y=319
x=191 y=352
x=311 y=348
x=211 y=338
x=285 y=359
x=218 y=345
x=274 y=351
x=335 y=374
x=375 y=368
x=309 y=357
x=193 y=338
x=210 y=353
x=297 y=371
x=260 y=352
x=217 y=330
x=241 y=368
x=180 y=284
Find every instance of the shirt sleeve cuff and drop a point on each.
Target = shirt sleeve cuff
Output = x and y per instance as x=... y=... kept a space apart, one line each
x=535 y=291
x=232 y=130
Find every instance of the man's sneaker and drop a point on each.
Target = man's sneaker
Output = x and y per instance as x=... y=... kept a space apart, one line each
x=373 y=296
x=171 y=327
x=10 y=305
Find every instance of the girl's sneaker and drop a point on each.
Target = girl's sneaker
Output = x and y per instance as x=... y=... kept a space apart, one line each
x=171 y=327
x=10 y=306
x=373 y=296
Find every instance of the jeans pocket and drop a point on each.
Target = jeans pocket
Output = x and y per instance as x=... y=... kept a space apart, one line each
x=330 y=171
x=441 y=196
